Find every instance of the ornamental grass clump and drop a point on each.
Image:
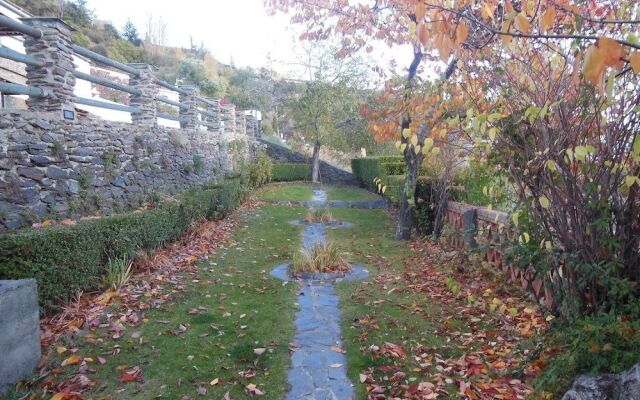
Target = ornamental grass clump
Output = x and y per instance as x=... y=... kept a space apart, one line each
x=320 y=215
x=322 y=258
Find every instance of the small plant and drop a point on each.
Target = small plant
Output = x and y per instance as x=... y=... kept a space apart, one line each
x=260 y=171
x=84 y=180
x=198 y=164
x=58 y=150
x=119 y=272
x=109 y=158
x=151 y=148
x=323 y=257
x=321 y=215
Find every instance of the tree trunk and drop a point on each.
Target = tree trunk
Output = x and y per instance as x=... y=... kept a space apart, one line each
x=315 y=163
x=405 y=219
x=407 y=201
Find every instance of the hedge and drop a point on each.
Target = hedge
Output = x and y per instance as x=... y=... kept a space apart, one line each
x=67 y=259
x=290 y=172
x=365 y=170
x=392 y=168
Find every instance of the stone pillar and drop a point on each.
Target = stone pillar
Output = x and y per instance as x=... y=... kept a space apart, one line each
x=146 y=101
x=189 y=117
x=214 y=122
x=229 y=118
x=240 y=123
x=56 y=75
x=470 y=227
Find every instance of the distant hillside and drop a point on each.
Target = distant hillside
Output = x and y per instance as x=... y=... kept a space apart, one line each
x=193 y=65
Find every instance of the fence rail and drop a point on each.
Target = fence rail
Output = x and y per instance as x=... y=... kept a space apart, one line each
x=53 y=36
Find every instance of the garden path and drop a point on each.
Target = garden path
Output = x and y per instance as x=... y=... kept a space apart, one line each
x=318 y=369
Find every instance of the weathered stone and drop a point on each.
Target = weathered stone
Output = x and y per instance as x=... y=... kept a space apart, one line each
x=42 y=161
x=54 y=172
x=622 y=386
x=119 y=182
x=32 y=173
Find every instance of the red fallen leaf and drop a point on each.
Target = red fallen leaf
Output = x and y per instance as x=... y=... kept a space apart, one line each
x=132 y=375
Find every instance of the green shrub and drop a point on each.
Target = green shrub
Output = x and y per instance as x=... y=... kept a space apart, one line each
x=290 y=172
x=603 y=343
x=394 y=187
x=392 y=168
x=391 y=159
x=261 y=170
x=67 y=259
x=365 y=170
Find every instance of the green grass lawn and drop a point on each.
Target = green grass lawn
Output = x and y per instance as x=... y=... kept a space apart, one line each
x=304 y=192
x=371 y=316
x=350 y=193
x=239 y=308
x=292 y=191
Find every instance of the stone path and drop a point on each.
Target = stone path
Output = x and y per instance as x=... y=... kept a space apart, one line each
x=318 y=369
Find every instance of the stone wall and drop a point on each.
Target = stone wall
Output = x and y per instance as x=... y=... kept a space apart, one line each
x=52 y=168
x=491 y=231
x=19 y=330
x=328 y=173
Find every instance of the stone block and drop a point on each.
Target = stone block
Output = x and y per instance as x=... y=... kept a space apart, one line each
x=19 y=330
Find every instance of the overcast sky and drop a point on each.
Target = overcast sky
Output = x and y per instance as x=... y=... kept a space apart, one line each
x=238 y=30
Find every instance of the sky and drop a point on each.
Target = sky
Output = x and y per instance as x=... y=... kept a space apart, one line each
x=233 y=30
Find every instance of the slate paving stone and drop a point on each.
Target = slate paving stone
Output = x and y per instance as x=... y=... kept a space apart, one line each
x=318 y=372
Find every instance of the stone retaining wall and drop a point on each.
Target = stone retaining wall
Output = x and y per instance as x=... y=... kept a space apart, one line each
x=328 y=173
x=52 y=168
x=474 y=226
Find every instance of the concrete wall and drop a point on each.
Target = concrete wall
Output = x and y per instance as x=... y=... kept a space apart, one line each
x=19 y=330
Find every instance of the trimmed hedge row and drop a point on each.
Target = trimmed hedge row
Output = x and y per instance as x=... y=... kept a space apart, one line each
x=365 y=170
x=67 y=259
x=287 y=172
x=392 y=168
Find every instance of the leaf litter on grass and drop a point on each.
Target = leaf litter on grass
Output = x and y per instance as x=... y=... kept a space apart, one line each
x=166 y=273
x=481 y=320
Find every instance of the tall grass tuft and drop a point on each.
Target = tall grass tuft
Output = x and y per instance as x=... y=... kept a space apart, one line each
x=322 y=215
x=323 y=257
x=119 y=271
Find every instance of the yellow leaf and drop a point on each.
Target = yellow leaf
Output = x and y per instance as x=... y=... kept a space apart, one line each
x=436 y=150
x=61 y=349
x=551 y=165
x=406 y=133
x=403 y=147
x=630 y=180
x=417 y=149
x=522 y=23
x=384 y=189
x=59 y=396
x=462 y=32
x=428 y=144
x=414 y=140
x=634 y=61
x=547 y=19
x=594 y=65
x=73 y=360
x=214 y=382
x=506 y=25
x=544 y=202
